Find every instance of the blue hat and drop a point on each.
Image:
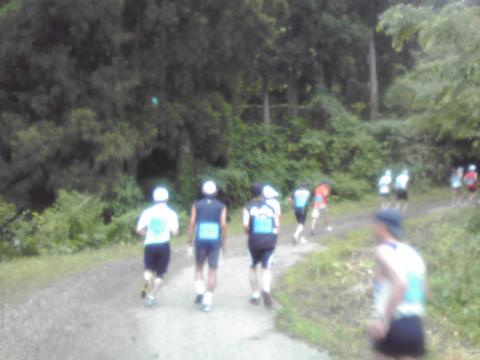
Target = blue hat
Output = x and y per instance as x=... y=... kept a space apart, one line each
x=257 y=190
x=393 y=220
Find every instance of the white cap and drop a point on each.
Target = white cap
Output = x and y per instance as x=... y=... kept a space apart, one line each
x=209 y=188
x=388 y=172
x=472 y=168
x=160 y=194
x=269 y=192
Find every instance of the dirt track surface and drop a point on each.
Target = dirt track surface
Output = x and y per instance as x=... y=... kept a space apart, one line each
x=98 y=314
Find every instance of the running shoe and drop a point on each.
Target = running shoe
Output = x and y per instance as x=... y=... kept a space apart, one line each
x=151 y=301
x=329 y=228
x=206 y=308
x=267 y=299
x=312 y=232
x=303 y=240
x=199 y=299
x=255 y=301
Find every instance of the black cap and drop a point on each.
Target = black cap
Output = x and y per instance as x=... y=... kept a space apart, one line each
x=393 y=220
x=257 y=190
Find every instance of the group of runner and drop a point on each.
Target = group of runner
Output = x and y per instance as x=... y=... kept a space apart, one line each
x=461 y=181
x=301 y=200
x=207 y=237
x=386 y=185
x=396 y=330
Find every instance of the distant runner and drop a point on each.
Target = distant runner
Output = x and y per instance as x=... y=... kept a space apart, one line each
x=261 y=225
x=320 y=206
x=401 y=189
x=300 y=200
x=156 y=225
x=456 y=181
x=399 y=292
x=471 y=182
x=384 y=188
x=208 y=227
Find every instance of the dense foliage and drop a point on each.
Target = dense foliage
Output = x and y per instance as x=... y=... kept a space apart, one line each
x=105 y=100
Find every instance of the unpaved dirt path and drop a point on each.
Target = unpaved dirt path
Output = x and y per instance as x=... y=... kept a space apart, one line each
x=97 y=314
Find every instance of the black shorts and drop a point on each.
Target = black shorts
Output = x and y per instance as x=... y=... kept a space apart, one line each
x=402 y=194
x=405 y=338
x=301 y=215
x=262 y=256
x=207 y=252
x=156 y=258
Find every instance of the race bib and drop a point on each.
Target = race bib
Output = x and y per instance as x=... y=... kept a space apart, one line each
x=263 y=226
x=415 y=291
x=319 y=198
x=208 y=231
x=157 y=226
x=301 y=201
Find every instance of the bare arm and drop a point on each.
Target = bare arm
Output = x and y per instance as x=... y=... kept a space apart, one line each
x=246 y=221
x=192 y=224
x=223 y=226
x=399 y=285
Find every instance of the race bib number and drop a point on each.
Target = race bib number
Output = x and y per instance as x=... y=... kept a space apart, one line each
x=157 y=226
x=319 y=199
x=470 y=181
x=208 y=231
x=415 y=291
x=301 y=201
x=263 y=226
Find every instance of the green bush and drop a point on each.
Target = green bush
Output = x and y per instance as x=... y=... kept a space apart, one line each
x=126 y=195
x=347 y=187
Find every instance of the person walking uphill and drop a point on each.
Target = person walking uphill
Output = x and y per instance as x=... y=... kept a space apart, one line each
x=384 y=185
x=399 y=292
x=300 y=200
x=156 y=225
x=320 y=207
x=208 y=227
x=261 y=225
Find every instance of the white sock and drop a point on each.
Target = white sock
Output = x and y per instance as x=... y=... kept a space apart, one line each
x=267 y=280
x=207 y=298
x=298 y=231
x=256 y=295
x=199 y=287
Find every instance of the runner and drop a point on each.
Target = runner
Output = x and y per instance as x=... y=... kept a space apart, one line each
x=300 y=200
x=156 y=225
x=261 y=225
x=456 y=179
x=399 y=293
x=208 y=226
x=471 y=181
x=320 y=207
x=384 y=188
x=401 y=188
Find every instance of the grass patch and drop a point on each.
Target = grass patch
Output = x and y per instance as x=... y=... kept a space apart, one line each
x=326 y=299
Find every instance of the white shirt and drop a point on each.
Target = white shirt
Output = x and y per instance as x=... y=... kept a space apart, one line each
x=410 y=267
x=301 y=197
x=401 y=182
x=275 y=204
x=384 y=184
x=160 y=222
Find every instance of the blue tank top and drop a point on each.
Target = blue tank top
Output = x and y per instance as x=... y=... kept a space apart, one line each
x=208 y=227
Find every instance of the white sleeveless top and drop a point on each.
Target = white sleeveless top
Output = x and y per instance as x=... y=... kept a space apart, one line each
x=410 y=266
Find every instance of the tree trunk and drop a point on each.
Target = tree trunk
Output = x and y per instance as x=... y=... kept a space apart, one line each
x=293 y=96
x=265 y=103
x=372 y=62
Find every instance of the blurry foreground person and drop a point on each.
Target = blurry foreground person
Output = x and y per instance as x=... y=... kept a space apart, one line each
x=384 y=188
x=399 y=292
x=208 y=227
x=261 y=225
x=156 y=224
